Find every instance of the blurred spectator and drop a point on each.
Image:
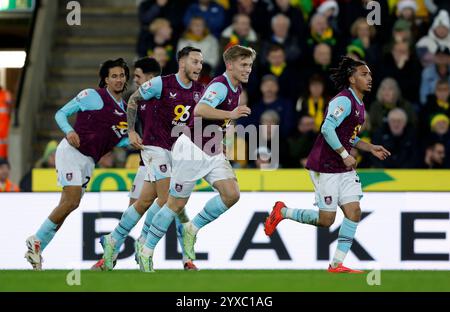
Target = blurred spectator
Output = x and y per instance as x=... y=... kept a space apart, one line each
x=321 y=64
x=281 y=24
x=270 y=139
x=160 y=34
x=161 y=55
x=397 y=138
x=300 y=143
x=239 y=32
x=5 y=113
x=149 y=10
x=46 y=161
x=320 y=32
x=388 y=98
x=440 y=129
x=288 y=79
x=406 y=10
x=437 y=103
x=213 y=14
x=314 y=102
x=330 y=9
x=434 y=6
x=271 y=101
x=401 y=32
x=356 y=50
x=433 y=73
x=197 y=35
x=258 y=11
x=435 y=154
x=5 y=184
x=401 y=65
x=366 y=34
x=298 y=26
x=438 y=38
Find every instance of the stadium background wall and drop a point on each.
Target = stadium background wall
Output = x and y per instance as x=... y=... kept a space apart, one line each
x=398 y=231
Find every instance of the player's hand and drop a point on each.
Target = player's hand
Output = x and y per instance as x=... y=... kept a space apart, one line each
x=73 y=139
x=135 y=140
x=350 y=162
x=240 y=111
x=380 y=152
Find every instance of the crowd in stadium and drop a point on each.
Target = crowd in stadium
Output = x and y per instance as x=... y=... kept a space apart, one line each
x=298 y=41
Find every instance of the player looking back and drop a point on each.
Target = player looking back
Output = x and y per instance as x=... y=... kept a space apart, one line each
x=173 y=100
x=201 y=156
x=144 y=69
x=330 y=165
x=101 y=125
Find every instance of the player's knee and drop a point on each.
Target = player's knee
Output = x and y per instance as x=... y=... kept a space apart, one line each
x=230 y=198
x=355 y=214
x=162 y=200
x=326 y=222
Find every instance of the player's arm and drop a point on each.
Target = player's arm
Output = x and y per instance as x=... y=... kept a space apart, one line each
x=148 y=90
x=214 y=96
x=87 y=99
x=377 y=150
x=338 y=110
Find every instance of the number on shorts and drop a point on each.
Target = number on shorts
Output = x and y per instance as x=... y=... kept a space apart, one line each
x=86 y=183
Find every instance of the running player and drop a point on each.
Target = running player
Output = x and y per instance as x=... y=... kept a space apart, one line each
x=173 y=99
x=144 y=69
x=201 y=156
x=330 y=165
x=100 y=126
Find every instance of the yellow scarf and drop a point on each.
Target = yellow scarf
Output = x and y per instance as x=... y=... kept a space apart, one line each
x=443 y=104
x=316 y=113
x=277 y=70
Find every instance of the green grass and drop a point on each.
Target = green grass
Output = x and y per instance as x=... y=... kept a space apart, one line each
x=223 y=280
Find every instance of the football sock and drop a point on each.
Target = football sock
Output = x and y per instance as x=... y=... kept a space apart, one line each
x=213 y=209
x=159 y=226
x=345 y=240
x=154 y=208
x=46 y=232
x=129 y=219
x=306 y=216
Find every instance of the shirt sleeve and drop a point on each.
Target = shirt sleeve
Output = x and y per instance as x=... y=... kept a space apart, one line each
x=124 y=142
x=214 y=95
x=338 y=110
x=151 y=89
x=87 y=99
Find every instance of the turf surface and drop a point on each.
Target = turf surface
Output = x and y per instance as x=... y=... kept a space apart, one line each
x=223 y=280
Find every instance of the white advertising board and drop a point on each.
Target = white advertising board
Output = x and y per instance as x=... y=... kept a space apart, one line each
x=398 y=231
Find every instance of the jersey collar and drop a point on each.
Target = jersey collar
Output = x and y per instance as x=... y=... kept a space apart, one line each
x=121 y=105
x=188 y=86
x=354 y=95
x=229 y=83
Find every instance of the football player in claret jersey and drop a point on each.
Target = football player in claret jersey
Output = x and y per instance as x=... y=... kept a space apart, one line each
x=332 y=167
x=173 y=99
x=101 y=125
x=201 y=156
x=144 y=69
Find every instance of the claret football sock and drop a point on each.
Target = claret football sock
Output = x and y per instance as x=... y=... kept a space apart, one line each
x=46 y=232
x=345 y=240
x=306 y=216
x=213 y=209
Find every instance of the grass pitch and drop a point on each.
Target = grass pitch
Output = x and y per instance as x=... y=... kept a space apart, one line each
x=222 y=281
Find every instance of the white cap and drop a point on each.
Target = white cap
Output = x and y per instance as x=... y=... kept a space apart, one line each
x=329 y=4
x=406 y=4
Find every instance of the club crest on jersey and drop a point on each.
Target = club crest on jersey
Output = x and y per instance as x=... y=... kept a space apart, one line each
x=118 y=113
x=178 y=187
x=197 y=96
x=172 y=96
x=328 y=200
x=163 y=168
x=69 y=176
